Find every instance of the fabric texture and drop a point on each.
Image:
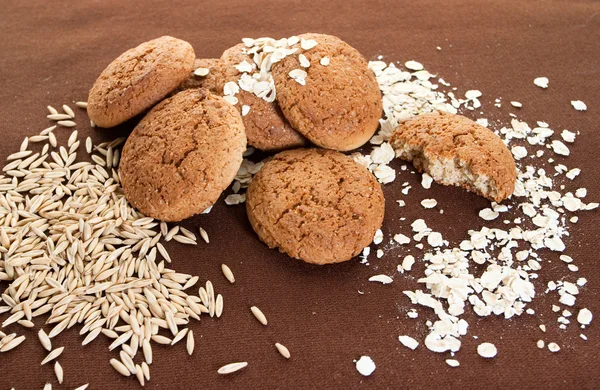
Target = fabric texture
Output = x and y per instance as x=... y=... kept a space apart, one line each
x=51 y=53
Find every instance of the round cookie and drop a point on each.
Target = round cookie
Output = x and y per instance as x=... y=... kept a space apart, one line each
x=454 y=150
x=138 y=79
x=316 y=205
x=182 y=155
x=340 y=105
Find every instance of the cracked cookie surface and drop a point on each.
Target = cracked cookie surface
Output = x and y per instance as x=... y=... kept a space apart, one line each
x=218 y=74
x=455 y=150
x=340 y=105
x=138 y=79
x=315 y=205
x=182 y=155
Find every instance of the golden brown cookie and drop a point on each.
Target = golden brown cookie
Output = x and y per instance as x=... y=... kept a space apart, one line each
x=138 y=79
x=454 y=150
x=315 y=205
x=266 y=128
x=340 y=105
x=182 y=155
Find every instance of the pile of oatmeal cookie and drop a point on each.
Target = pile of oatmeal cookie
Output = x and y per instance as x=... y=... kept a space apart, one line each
x=307 y=98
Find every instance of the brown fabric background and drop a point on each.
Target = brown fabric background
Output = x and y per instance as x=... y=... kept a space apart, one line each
x=52 y=51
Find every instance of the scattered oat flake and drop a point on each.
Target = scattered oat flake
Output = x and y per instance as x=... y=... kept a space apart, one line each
x=307 y=44
x=407 y=263
x=578 y=105
x=568 y=136
x=560 y=148
x=401 y=239
x=231 y=99
x=488 y=214
x=584 y=317
x=473 y=94
x=384 y=173
x=426 y=181
x=435 y=239
x=325 y=61
x=516 y=104
x=365 y=365
x=201 y=72
x=378 y=239
x=487 y=350
x=429 y=203
x=383 y=279
x=233 y=199
x=304 y=62
x=413 y=65
x=553 y=347
x=573 y=173
x=519 y=152
x=541 y=82
x=540 y=344
x=245 y=110
x=298 y=75
x=452 y=362
x=409 y=342
x=244 y=67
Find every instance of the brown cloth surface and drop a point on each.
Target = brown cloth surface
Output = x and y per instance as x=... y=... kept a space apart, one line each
x=52 y=51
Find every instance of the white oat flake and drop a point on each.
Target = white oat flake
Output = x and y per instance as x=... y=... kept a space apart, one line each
x=578 y=105
x=488 y=214
x=429 y=203
x=541 y=82
x=304 y=62
x=298 y=75
x=426 y=181
x=408 y=342
x=401 y=239
x=201 y=72
x=413 y=65
x=383 y=279
x=307 y=44
x=245 y=110
x=560 y=148
x=365 y=365
x=584 y=317
x=487 y=350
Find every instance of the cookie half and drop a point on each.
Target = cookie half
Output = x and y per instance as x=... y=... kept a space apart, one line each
x=340 y=105
x=138 y=79
x=457 y=151
x=315 y=205
x=182 y=155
